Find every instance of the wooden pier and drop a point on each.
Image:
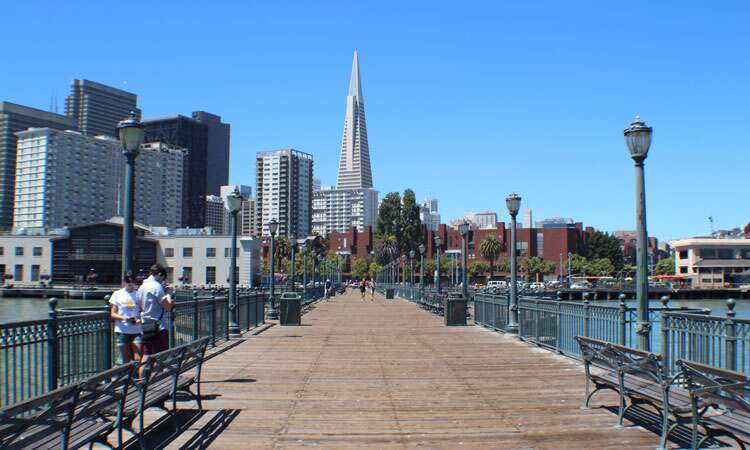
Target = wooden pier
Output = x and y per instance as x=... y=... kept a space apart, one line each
x=385 y=374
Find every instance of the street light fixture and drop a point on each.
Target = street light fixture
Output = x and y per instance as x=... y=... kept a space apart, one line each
x=273 y=227
x=438 y=241
x=464 y=230
x=234 y=203
x=131 y=133
x=638 y=141
x=303 y=251
x=513 y=202
x=422 y=250
x=411 y=266
x=293 y=270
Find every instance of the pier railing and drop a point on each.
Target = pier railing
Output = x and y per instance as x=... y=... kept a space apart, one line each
x=37 y=356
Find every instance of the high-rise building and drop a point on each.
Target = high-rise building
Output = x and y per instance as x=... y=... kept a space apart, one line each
x=215 y=212
x=97 y=108
x=483 y=220
x=192 y=135
x=217 y=159
x=340 y=209
x=353 y=202
x=428 y=213
x=354 y=166
x=284 y=191
x=67 y=179
x=248 y=218
x=15 y=118
x=528 y=219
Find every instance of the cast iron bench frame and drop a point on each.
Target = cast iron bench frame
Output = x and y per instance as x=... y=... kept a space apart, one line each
x=720 y=402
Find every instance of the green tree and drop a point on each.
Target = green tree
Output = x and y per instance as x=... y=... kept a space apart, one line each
x=504 y=265
x=665 y=266
x=535 y=267
x=604 y=245
x=283 y=251
x=360 y=268
x=579 y=265
x=601 y=267
x=386 y=248
x=489 y=249
x=411 y=224
x=478 y=269
x=389 y=217
x=374 y=269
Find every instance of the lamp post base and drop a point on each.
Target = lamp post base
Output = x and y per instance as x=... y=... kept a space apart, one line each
x=512 y=328
x=234 y=331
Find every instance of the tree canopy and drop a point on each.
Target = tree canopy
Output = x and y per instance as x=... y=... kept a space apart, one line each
x=603 y=245
x=490 y=248
x=411 y=224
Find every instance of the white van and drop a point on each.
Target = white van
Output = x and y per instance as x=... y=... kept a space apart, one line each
x=496 y=284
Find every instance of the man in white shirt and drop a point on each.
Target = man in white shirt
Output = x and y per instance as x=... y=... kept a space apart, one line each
x=155 y=302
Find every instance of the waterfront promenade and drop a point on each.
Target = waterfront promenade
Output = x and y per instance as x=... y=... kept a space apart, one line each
x=389 y=375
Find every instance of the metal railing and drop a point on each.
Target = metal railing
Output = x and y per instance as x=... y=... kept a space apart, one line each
x=71 y=344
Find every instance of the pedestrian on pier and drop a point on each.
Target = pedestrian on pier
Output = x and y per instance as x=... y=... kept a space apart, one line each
x=124 y=310
x=328 y=288
x=372 y=290
x=362 y=288
x=155 y=302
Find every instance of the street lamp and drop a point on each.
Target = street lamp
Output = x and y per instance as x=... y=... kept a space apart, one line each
x=638 y=140
x=421 y=266
x=293 y=250
x=411 y=266
x=513 y=202
x=234 y=203
x=438 y=241
x=464 y=230
x=273 y=227
x=303 y=251
x=131 y=134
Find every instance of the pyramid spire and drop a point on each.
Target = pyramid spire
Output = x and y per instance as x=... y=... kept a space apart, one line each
x=354 y=166
x=355 y=87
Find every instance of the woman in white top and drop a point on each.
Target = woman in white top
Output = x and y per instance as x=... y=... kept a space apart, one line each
x=125 y=312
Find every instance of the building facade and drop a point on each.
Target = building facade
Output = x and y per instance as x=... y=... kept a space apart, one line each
x=25 y=258
x=217 y=158
x=711 y=262
x=15 y=118
x=187 y=133
x=64 y=178
x=97 y=108
x=482 y=220
x=161 y=177
x=428 y=213
x=354 y=165
x=215 y=212
x=340 y=209
x=284 y=191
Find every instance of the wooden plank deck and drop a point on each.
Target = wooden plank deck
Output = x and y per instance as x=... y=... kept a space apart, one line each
x=386 y=374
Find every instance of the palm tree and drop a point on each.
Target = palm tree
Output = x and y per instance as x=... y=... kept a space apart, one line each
x=489 y=249
x=386 y=248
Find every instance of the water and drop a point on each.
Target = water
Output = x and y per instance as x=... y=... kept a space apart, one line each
x=718 y=307
x=17 y=309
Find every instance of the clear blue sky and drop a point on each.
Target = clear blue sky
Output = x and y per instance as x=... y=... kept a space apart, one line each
x=465 y=104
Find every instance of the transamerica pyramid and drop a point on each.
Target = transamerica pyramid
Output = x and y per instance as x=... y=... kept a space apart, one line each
x=354 y=167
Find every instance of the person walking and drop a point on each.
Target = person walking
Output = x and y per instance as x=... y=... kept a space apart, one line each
x=328 y=288
x=124 y=311
x=155 y=302
x=362 y=288
x=372 y=290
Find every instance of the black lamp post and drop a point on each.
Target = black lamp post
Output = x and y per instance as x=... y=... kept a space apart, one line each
x=303 y=251
x=513 y=202
x=293 y=270
x=438 y=241
x=421 y=266
x=638 y=140
x=411 y=266
x=234 y=203
x=464 y=230
x=273 y=227
x=131 y=134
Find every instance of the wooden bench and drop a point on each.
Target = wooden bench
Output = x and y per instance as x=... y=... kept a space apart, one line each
x=163 y=376
x=638 y=376
x=69 y=417
x=720 y=402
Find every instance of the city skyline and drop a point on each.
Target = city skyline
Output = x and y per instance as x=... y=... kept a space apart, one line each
x=544 y=120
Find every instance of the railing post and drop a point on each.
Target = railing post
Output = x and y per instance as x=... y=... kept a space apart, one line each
x=108 y=336
x=536 y=322
x=730 y=352
x=623 y=319
x=196 y=318
x=558 y=323
x=227 y=312
x=586 y=315
x=52 y=346
x=665 y=342
x=250 y=306
x=212 y=320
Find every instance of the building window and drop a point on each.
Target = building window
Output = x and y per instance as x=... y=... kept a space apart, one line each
x=37 y=251
x=226 y=252
x=18 y=272
x=210 y=275
x=683 y=269
x=35 y=272
x=187 y=252
x=210 y=252
x=683 y=254
x=744 y=253
x=725 y=253
x=187 y=275
x=19 y=251
x=169 y=252
x=2 y=251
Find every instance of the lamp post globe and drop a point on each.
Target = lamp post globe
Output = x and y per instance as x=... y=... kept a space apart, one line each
x=464 y=228
x=513 y=202
x=234 y=203
x=638 y=141
x=131 y=134
x=273 y=227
